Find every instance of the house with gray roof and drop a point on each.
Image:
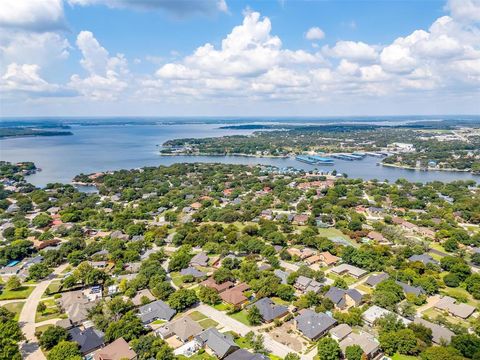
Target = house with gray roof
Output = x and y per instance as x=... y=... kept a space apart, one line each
x=242 y=354
x=440 y=334
x=351 y=270
x=200 y=259
x=450 y=305
x=411 y=290
x=425 y=259
x=193 y=272
x=220 y=344
x=282 y=275
x=314 y=325
x=154 y=311
x=374 y=280
x=344 y=299
x=269 y=310
x=306 y=284
x=88 y=340
x=340 y=332
x=185 y=329
x=368 y=343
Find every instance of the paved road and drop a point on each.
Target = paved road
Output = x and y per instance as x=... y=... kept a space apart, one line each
x=229 y=323
x=30 y=349
x=4 y=302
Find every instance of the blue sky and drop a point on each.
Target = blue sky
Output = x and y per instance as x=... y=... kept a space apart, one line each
x=165 y=57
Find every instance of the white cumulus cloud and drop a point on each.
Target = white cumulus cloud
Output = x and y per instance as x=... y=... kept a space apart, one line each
x=315 y=33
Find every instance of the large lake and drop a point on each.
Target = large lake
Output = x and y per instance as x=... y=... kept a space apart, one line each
x=112 y=147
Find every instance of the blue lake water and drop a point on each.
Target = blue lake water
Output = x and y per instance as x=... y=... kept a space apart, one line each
x=113 y=147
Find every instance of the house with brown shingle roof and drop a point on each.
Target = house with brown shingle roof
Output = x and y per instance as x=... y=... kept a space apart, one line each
x=117 y=350
x=210 y=282
x=328 y=259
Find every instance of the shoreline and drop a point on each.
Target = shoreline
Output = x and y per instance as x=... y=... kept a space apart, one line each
x=233 y=154
x=426 y=169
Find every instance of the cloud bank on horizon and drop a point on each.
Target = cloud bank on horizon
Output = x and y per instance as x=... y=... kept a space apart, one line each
x=249 y=72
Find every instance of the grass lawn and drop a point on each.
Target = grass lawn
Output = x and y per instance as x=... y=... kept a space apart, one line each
x=221 y=307
x=15 y=307
x=51 y=312
x=435 y=256
x=398 y=356
x=177 y=278
x=279 y=301
x=207 y=323
x=53 y=288
x=42 y=328
x=434 y=313
x=366 y=289
x=330 y=232
x=460 y=294
x=197 y=316
x=203 y=356
x=242 y=342
x=159 y=322
x=436 y=246
x=21 y=293
x=241 y=316
x=274 y=357
x=348 y=279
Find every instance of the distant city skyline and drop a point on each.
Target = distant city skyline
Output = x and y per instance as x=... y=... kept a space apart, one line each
x=239 y=58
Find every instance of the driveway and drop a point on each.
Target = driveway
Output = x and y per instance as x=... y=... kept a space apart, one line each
x=231 y=324
x=30 y=349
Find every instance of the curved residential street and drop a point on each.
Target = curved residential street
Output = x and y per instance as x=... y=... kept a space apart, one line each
x=30 y=349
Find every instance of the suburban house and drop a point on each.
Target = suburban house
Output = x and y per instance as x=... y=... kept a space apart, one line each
x=450 y=305
x=191 y=271
x=374 y=280
x=300 y=219
x=154 y=311
x=242 y=354
x=425 y=259
x=141 y=294
x=210 y=282
x=269 y=310
x=411 y=290
x=375 y=312
x=184 y=329
x=340 y=332
x=217 y=343
x=234 y=296
x=313 y=325
x=328 y=259
x=368 y=343
x=440 y=334
x=351 y=270
x=282 y=275
x=88 y=340
x=305 y=284
x=117 y=350
x=200 y=259
x=344 y=299
x=76 y=306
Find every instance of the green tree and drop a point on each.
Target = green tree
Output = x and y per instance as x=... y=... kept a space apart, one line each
x=354 y=352
x=441 y=353
x=10 y=336
x=52 y=336
x=39 y=271
x=208 y=295
x=150 y=346
x=129 y=327
x=182 y=299
x=41 y=220
x=253 y=316
x=292 y=356
x=467 y=344
x=13 y=283
x=65 y=350
x=340 y=283
x=328 y=349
